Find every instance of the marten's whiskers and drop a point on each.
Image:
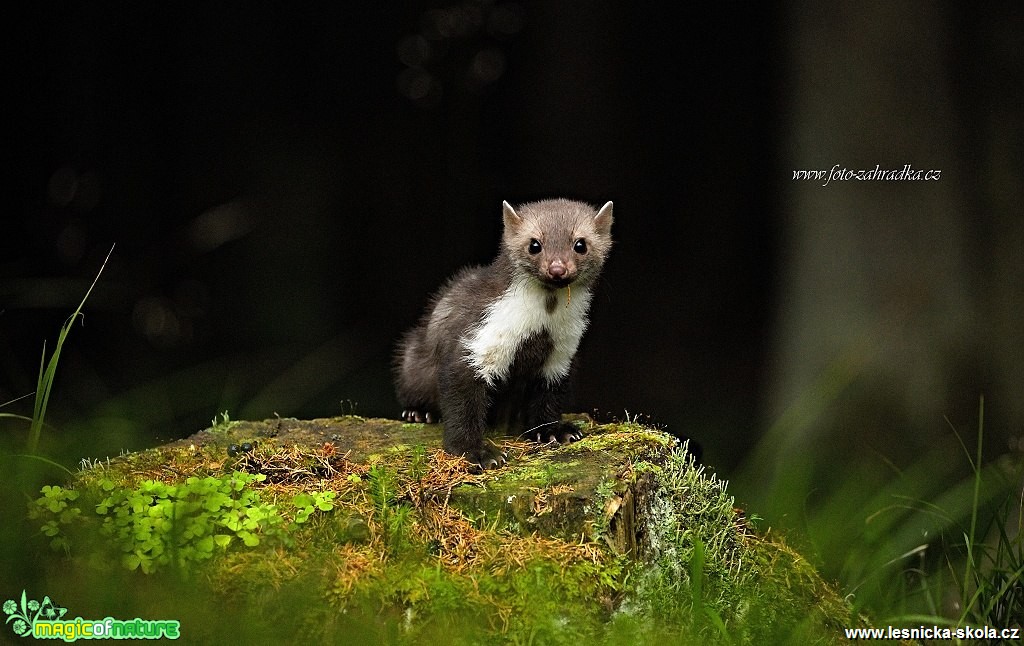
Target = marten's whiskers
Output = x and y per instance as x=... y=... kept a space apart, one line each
x=539 y=426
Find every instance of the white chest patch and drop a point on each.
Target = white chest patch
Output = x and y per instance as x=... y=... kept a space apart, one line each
x=518 y=314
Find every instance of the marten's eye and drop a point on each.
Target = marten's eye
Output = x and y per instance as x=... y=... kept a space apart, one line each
x=534 y=247
x=580 y=246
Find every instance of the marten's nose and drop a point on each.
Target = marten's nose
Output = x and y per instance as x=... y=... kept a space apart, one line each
x=556 y=269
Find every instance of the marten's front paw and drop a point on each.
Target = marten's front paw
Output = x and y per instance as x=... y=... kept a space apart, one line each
x=561 y=432
x=485 y=457
x=412 y=415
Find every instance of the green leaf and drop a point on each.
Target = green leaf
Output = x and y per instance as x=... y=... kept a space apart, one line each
x=105 y=505
x=205 y=544
x=215 y=501
x=60 y=543
x=325 y=505
x=697 y=573
x=255 y=513
x=250 y=539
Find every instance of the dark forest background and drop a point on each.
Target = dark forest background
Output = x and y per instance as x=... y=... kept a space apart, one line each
x=286 y=185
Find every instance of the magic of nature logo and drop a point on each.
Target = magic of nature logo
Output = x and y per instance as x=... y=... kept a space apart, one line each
x=45 y=620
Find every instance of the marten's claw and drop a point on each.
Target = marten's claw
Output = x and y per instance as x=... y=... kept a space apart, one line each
x=563 y=434
x=485 y=458
x=411 y=415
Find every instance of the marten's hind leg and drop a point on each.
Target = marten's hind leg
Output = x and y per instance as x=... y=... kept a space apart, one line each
x=416 y=380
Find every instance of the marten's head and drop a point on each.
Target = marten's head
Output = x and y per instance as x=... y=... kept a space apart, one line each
x=558 y=242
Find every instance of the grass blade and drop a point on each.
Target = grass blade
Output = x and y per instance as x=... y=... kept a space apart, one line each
x=46 y=461
x=971 y=538
x=48 y=369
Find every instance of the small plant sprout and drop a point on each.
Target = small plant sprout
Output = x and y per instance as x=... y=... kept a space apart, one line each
x=87 y=464
x=225 y=419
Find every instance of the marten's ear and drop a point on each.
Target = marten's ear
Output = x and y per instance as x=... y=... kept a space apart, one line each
x=512 y=219
x=603 y=219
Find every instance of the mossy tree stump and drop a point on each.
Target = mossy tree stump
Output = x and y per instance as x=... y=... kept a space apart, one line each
x=372 y=529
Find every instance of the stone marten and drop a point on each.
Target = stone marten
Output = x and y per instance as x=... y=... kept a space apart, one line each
x=496 y=345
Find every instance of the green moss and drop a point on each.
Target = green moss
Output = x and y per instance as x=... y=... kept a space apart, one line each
x=712 y=577
x=408 y=547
